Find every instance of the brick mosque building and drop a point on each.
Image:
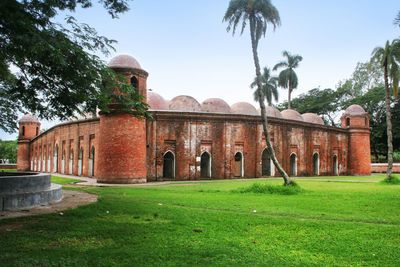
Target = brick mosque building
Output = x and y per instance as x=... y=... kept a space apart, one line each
x=187 y=140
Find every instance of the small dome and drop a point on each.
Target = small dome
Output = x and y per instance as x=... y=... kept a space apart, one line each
x=291 y=114
x=354 y=110
x=124 y=62
x=244 y=108
x=215 y=105
x=271 y=112
x=156 y=101
x=313 y=118
x=29 y=118
x=184 y=103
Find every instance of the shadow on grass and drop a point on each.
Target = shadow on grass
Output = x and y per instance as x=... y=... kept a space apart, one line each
x=259 y=188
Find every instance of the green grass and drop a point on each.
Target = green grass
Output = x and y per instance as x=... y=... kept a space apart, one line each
x=210 y=224
x=8 y=170
x=62 y=180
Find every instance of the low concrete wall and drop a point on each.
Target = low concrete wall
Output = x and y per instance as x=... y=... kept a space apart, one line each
x=8 y=166
x=382 y=167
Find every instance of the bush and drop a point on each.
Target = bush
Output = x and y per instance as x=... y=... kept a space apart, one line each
x=395 y=180
x=292 y=189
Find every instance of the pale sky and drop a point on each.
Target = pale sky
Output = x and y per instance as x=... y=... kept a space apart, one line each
x=186 y=50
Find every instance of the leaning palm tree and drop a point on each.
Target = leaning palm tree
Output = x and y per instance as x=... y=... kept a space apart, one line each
x=288 y=77
x=258 y=13
x=388 y=57
x=269 y=86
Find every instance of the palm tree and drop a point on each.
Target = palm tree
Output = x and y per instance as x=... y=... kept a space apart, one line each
x=288 y=77
x=388 y=57
x=269 y=86
x=258 y=13
x=397 y=19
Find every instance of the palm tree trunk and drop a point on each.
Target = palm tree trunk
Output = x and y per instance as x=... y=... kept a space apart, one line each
x=254 y=44
x=389 y=126
x=289 y=93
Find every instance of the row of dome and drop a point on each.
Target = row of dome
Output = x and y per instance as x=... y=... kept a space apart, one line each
x=217 y=105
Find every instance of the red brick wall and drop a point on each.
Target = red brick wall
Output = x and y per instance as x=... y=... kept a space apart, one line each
x=122 y=149
x=382 y=167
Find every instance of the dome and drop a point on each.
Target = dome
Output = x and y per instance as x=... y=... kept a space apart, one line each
x=271 y=112
x=244 y=108
x=156 y=101
x=215 y=105
x=124 y=62
x=312 y=118
x=355 y=110
x=184 y=103
x=291 y=114
x=29 y=118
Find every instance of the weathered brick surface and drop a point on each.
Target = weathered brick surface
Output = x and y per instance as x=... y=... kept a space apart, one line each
x=382 y=167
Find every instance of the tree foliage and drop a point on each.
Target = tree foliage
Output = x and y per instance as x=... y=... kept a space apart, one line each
x=46 y=68
x=288 y=77
x=269 y=85
x=8 y=150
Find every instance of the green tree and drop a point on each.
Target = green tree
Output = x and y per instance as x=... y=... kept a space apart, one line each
x=288 y=77
x=46 y=68
x=258 y=14
x=387 y=56
x=8 y=150
x=322 y=102
x=269 y=86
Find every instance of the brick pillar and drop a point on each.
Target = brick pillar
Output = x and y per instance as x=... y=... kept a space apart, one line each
x=122 y=137
x=29 y=128
x=356 y=120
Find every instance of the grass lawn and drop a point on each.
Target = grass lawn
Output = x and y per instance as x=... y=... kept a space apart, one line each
x=62 y=180
x=208 y=223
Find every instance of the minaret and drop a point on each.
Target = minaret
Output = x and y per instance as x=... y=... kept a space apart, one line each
x=356 y=120
x=29 y=128
x=122 y=136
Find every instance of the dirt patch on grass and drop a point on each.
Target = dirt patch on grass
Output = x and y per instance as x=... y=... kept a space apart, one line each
x=71 y=199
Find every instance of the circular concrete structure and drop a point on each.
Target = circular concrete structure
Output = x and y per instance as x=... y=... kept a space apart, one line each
x=20 y=190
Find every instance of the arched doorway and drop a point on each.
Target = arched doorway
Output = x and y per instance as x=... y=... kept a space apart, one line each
x=293 y=164
x=63 y=162
x=35 y=162
x=266 y=163
x=40 y=162
x=316 y=164
x=91 y=162
x=205 y=165
x=80 y=162
x=44 y=162
x=55 y=169
x=238 y=164
x=169 y=165
x=335 y=165
x=71 y=161
x=49 y=162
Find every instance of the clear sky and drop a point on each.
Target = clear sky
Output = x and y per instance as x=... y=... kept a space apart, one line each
x=184 y=46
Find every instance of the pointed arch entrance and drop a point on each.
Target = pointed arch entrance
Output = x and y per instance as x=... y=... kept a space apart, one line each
x=293 y=164
x=316 y=164
x=91 y=162
x=169 y=165
x=335 y=165
x=238 y=164
x=71 y=161
x=55 y=168
x=80 y=162
x=266 y=165
x=63 y=162
x=205 y=165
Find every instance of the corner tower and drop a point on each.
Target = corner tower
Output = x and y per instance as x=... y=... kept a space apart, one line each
x=122 y=136
x=356 y=120
x=29 y=128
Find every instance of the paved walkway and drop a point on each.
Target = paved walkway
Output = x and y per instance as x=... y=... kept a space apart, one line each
x=93 y=181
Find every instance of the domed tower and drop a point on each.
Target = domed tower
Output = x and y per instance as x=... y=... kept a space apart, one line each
x=122 y=136
x=29 y=128
x=356 y=120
